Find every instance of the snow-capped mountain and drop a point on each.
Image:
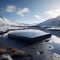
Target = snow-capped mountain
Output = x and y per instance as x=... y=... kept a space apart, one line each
x=7 y=24
x=4 y=20
x=51 y=22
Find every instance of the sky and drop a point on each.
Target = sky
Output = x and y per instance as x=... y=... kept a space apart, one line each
x=29 y=11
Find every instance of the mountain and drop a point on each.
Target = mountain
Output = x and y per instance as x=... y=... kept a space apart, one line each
x=7 y=24
x=4 y=20
x=27 y=24
x=51 y=22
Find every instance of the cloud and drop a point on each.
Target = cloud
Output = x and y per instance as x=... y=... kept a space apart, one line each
x=53 y=12
x=37 y=17
x=10 y=8
x=22 y=11
x=18 y=11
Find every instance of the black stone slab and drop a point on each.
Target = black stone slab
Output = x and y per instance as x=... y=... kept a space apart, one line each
x=1 y=32
x=29 y=35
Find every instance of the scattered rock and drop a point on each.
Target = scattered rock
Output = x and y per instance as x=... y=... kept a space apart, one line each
x=41 y=52
x=29 y=57
x=49 y=46
x=38 y=53
x=11 y=53
x=2 y=51
x=15 y=53
x=15 y=56
x=5 y=57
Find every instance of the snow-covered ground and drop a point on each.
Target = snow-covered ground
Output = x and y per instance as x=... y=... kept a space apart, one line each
x=54 y=28
x=6 y=24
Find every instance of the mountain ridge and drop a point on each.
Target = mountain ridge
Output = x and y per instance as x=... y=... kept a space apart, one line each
x=4 y=20
x=51 y=22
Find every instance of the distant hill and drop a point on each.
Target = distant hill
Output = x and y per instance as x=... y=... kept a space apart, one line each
x=51 y=22
x=26 y=24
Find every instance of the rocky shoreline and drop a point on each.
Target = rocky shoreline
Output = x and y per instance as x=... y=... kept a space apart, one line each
x=11 y=54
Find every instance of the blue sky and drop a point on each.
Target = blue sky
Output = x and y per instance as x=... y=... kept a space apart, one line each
x=29 y=11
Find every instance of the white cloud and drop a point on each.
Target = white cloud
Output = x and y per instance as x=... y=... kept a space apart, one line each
x=37 y=17
x=22 y=11
x=10 y=8
x=53 y=12
x=18 y=11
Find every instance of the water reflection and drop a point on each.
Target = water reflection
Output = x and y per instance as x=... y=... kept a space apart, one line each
x=31 y=33
x=55 y=39
x=55 y=42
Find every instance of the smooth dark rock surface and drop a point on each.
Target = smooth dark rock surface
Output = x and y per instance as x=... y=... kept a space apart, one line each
x=29 y=35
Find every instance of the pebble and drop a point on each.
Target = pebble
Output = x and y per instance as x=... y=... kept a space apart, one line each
x=29 y=57
x=6 y=57
x=2 y=51
x=41 y=52
x=38 y=53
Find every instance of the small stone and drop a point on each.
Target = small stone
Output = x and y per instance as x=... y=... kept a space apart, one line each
x=38 y=53
x=15 y=56
x=41 y=52
x=6 y=57
x=29 y=57
x=16 y=51
x=49 y=46
x=2 y=51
